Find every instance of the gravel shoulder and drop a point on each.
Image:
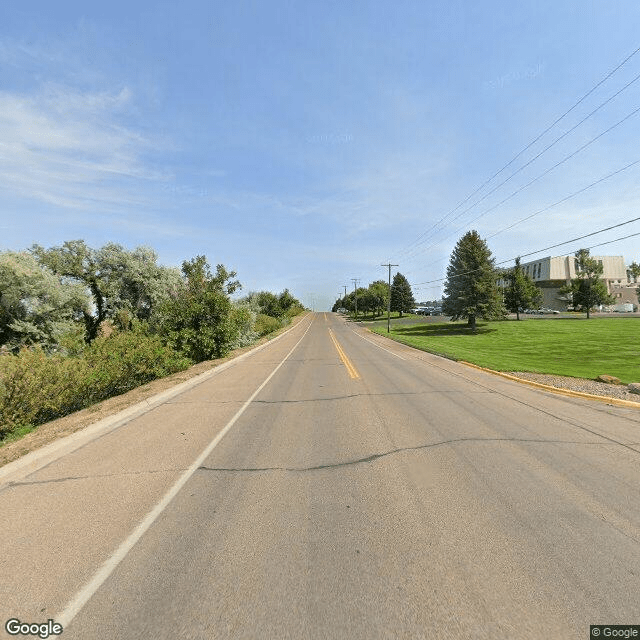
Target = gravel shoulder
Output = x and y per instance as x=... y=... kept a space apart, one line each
x=583 y=385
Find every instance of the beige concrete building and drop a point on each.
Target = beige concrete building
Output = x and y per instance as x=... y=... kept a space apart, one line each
x=552 y=273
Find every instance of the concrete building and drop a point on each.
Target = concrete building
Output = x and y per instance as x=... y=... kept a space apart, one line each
x=552 y=273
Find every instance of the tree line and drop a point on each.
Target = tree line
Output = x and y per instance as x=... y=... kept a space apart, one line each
x=80 y=324
x=476 y=288
x=374 y=298
x=48 y=295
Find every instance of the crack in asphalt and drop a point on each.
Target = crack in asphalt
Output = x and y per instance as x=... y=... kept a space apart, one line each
x=329 y=398
x=376 y=456
x=318 y=467
x=365 y=395
x=22 y=483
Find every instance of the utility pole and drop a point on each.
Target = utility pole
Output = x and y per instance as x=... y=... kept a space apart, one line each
x=345 y=290
x=355 y=290
x=389 y=299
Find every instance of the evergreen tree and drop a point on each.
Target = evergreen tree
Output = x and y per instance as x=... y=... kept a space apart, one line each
x=470 y=290
x=521 y=293
x=401 y=295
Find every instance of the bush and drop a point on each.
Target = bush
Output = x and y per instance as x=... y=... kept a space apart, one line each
x=266 y=324
x=293 y=311
x=36 y=387
x=244 y=320
x=198 y=320
x=126 y=360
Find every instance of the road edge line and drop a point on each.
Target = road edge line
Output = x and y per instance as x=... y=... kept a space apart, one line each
x=39 y=458
x=86 y=592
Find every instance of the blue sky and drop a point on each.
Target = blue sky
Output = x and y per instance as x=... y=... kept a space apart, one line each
x=303 y=144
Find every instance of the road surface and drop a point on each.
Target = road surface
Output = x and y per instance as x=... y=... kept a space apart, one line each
x=334 y=485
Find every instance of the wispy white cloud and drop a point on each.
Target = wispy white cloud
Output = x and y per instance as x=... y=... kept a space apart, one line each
x=69 y=147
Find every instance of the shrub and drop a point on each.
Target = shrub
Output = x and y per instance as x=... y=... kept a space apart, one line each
x=244 y=320
x=36 y=387
x=266 y=324
x=126 y=360
x=198 y=319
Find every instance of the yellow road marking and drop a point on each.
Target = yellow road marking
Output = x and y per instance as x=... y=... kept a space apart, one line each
x=353 y=372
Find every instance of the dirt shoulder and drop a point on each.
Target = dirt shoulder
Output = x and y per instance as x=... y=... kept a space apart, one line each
x=50 y=431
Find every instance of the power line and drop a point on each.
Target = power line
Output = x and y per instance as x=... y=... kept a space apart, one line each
x=554 y=246
x=573 y=195
x=555 y=204
x=544 y=173
x=524 y=166
x=553 y=124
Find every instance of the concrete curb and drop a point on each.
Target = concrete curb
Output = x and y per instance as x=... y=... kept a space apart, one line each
x=559 y=390
x=35 y=460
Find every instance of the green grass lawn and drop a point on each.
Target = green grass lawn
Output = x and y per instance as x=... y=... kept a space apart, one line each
x=568 y=347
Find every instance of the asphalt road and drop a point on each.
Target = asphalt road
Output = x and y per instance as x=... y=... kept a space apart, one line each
x=334 y=485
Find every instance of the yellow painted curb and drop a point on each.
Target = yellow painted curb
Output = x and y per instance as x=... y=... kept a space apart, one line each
x=559 y=390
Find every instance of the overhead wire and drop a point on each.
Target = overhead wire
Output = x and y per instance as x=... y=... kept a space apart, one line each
x=544 y=173
x=553 y=124
x=531 y=253
x=524 y=166
x=558 y=202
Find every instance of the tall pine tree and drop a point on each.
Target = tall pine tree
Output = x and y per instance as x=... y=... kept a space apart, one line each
x=471 y=290
x=401 y=295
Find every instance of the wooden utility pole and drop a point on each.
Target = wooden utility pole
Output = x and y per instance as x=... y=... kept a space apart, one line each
x=389 y=298
x=355 y=291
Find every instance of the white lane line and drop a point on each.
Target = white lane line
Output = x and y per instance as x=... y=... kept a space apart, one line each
x=375 y=344
x=83 y=596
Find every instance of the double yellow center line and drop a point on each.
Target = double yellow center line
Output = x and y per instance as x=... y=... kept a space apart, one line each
x=353 y=372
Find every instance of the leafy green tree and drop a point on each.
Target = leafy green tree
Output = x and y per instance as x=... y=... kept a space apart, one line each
x=379 y=294
x=521 y=292
x=122 y=284
x=344 y=303
x=36 y=307
x=270 y=304
x=366 y=301
x=289 y=304
x=281 y=306
x=470 y=290
x=401 y=295
x=199 y=319
x=586 y=289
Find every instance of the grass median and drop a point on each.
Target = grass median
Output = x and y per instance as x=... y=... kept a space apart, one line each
x=567 y=347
